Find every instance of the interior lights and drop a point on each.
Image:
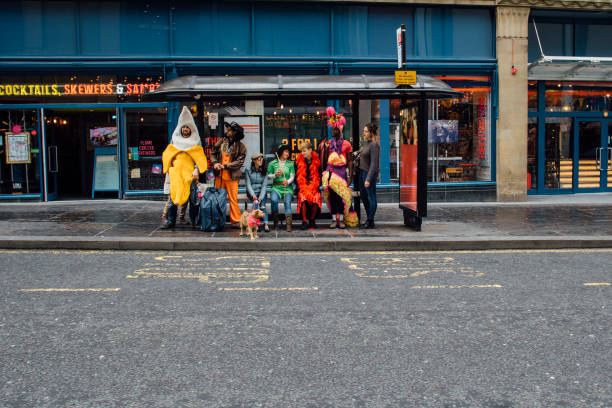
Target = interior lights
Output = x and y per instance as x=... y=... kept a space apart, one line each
x=54 y=120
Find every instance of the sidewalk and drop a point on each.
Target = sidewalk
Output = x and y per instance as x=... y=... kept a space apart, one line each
x=560 y=221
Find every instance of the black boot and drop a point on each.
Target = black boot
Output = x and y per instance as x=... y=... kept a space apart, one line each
x=312 y=224
x=170 y=220
x=288 y=222
x=371 y=224
x=364 y=225
x=275 y=219
x=304 y=225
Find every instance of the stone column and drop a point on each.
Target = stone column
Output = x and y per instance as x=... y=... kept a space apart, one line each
x=512 y=23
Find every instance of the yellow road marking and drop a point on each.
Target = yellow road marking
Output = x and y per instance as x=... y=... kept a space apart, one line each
x=72 y=290
x=268 y=289
x=455 y=286
x=598 y=284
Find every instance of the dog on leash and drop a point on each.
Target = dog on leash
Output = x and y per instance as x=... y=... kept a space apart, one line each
x=250 y=221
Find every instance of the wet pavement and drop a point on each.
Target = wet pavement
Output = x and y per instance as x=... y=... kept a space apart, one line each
x=580 y=217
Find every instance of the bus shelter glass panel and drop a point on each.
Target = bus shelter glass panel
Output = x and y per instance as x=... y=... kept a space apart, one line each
x=295 y=121
x=147 y=138
x=558 y=153
x=20 y=154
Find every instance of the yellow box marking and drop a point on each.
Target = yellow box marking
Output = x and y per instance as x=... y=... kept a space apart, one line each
x=268 y=289
x=598 y=284
x=388 y=267
x=226 y=270
x=72 y=290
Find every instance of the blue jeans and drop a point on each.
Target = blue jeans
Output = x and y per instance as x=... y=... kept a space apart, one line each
x=275 y=197
x=368 y=194
x=261 y=205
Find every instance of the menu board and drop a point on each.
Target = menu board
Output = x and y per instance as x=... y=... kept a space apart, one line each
x=106 y=171
x=18 y=148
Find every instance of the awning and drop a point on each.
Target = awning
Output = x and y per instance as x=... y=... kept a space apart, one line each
x=550 y=68
x=258 y=87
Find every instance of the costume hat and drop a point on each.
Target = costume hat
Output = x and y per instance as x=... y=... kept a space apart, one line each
x=185 y=143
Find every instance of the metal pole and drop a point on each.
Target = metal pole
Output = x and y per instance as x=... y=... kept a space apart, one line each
x=355 y=135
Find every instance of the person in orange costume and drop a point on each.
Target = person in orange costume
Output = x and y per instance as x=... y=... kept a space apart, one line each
x=227 y=158
x=183 y=160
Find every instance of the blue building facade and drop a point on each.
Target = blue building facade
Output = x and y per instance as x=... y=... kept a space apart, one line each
x=72 y=74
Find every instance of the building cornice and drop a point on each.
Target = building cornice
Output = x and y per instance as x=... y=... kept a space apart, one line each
x=599 y=5
x=559 y=4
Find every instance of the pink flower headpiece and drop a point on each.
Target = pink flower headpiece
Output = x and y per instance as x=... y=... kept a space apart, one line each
x=336 y=120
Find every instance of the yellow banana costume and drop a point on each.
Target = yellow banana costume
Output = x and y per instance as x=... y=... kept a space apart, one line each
x=180 y=158
x=180 y=165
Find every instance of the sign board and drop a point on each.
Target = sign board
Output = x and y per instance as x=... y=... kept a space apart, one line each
x=400 y=35
x=18 y=148
x=405 y=78
x=213 y=120
x=254 y=107
x=76 y=89
x=106 y=170
x=252 y=134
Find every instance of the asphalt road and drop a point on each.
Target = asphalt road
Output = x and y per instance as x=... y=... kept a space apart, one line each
x=445 y=329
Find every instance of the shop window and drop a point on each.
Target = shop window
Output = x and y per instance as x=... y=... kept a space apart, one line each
x=459 y=132
x=20 y=154
x=147 y=137
x=558 y=153
x=578 y=96
x=532 y=153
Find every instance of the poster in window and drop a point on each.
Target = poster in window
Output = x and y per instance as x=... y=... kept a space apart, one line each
x=409 y=156
x=18 y=148
x=443 y=131
x=103 y=136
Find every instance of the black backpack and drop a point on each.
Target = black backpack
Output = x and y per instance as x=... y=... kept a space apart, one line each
x=213 y=210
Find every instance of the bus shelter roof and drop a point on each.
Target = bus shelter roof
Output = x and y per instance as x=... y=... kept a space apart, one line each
x=338 y=86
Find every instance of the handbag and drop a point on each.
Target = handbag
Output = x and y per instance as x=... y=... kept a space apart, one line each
x=356 y=161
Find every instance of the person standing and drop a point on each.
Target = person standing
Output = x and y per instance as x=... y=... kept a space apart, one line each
x=336 y=179
x=256 y=183
x=227 y=158
x=369 y=167
x=282 y=173
x=308 y=182
x=183 y=160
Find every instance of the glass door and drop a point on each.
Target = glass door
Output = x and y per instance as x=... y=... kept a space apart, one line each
x=51 y=165
x=606 y=158
x=591 y=155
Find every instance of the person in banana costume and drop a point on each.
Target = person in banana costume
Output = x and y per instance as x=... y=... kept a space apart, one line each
x=183 y=161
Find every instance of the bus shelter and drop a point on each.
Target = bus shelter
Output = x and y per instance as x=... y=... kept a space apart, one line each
x=354 y=88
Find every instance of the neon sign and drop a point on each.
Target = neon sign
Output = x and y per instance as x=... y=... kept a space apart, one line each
x=82 y=89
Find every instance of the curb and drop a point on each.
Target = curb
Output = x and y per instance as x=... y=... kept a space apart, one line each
x=307 y=245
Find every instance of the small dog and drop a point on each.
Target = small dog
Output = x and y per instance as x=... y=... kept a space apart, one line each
x=250 y=221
